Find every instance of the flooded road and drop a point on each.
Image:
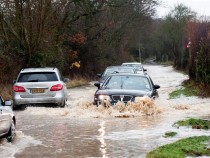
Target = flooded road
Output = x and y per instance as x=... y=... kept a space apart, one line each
x=82 y=130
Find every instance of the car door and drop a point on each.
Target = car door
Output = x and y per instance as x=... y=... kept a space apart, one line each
x=4 y=119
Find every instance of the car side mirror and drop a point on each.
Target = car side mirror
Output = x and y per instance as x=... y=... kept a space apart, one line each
x=66 y=80
x=145 y=69
x=156 y=86
x=8 y=103
x=14 y=81
x=97 y=84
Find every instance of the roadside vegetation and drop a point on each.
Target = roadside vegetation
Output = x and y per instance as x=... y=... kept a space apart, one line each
x=78 y=37
x=6 y=91
x=185 y=91
x=77 y=82
x=170 y=134
x=194 y=123
x=191 y=88
x=166 y=63
x=188 y=89
x=192 y=146
x=84 y=37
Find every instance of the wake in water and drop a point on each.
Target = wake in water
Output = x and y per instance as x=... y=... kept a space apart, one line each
x=21 y=141
x=141 y=106
x=86 y=109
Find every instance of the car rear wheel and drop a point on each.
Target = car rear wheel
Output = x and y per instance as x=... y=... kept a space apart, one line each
x=19 y=107
x=11 y=134
x=63 y=104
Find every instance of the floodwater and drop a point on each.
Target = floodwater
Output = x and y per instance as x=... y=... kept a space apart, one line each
x=84 y=131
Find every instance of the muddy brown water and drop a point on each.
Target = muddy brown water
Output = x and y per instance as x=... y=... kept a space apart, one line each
x=82 y=130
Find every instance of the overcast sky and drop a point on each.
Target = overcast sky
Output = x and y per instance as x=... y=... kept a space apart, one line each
x=202 y=7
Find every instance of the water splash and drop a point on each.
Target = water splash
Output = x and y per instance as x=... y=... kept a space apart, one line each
x=141 y=106
x=21 y=141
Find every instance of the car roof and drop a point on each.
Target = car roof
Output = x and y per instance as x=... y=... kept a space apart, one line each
x=129 y=74
x=42 y=69
x=120 y=66
x=132 y=63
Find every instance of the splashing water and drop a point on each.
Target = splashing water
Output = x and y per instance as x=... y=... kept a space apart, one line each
x=21 y=141
x=141 y=106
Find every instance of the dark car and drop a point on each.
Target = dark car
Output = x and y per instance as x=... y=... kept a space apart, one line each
x=7 y=120
x=115 y=69
x=125 y=87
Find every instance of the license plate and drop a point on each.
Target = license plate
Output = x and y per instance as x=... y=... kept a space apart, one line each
x=37 y=90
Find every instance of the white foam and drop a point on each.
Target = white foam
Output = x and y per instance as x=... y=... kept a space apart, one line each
x=21 y=141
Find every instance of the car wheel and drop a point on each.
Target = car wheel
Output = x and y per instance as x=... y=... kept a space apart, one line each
x=96 y=103
x=63 y=104
x=14 y=107
x=19 y=107
x=11 y=134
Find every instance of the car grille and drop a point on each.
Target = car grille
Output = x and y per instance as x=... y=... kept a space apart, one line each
x=125 y=98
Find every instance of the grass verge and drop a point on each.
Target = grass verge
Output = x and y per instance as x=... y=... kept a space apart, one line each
x=170 y=134
x=183 y=91
x=190 y=88
x=77 y=82
x=194 y=123
x=192 y=146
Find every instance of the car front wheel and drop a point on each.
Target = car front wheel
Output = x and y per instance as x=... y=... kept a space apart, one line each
x=11 y=134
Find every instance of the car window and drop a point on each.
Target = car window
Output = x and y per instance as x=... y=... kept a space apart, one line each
x=114 y=82
x=108 y=71
x=37 y=77
x=137 y=66
x=59 y=75
x=121 y=70
x=128 y=82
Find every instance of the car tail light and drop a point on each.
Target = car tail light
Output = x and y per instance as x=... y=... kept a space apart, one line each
x=19 y=89
x=56 y=87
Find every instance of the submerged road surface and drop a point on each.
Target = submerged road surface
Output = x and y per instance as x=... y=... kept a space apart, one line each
x=82 y=130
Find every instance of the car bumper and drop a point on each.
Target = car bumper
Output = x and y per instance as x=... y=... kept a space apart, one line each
x=57 y=99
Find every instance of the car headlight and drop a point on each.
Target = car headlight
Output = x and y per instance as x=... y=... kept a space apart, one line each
x=103 y=97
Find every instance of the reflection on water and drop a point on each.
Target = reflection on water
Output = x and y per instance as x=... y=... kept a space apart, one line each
x=102 y=140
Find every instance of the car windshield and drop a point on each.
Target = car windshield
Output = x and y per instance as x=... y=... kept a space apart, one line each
x=37 y=77
x=137 y=66
x=118 y=70
x=128 y=82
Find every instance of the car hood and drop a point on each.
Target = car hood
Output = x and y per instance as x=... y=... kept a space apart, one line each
x=123 y=92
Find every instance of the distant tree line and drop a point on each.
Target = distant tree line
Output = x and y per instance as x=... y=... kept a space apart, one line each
x=77 y=36
x=184 y=38
x=82 y=37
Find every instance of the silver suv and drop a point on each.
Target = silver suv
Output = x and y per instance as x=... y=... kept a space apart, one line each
x=39 y=86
